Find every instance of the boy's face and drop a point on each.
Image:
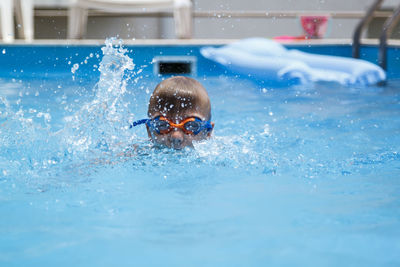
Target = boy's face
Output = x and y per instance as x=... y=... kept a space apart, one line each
x=177 y=138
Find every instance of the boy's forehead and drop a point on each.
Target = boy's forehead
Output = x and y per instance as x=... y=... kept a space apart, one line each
x=173 y=102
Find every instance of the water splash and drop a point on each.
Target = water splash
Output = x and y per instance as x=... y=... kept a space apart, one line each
x=28 y=144
x=246 y=152
x=102 y=123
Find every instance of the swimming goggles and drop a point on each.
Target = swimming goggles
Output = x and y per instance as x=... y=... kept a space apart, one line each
x=162 y=125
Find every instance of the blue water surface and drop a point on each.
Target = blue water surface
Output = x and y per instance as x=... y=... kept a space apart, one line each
x=299 y=176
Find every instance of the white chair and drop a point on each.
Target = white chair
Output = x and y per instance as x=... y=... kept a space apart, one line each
x=24 y=10
x=24 y=15
x=182 y=11
x=7 y=20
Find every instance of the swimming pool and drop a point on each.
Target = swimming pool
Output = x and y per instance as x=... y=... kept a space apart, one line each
x=306 y=175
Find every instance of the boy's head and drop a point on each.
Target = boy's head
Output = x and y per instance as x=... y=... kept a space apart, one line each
x=177 y=102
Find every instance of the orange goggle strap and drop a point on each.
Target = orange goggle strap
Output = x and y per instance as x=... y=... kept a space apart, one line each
x=180 y=125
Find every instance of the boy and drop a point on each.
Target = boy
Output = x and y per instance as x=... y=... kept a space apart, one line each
x=179 y=112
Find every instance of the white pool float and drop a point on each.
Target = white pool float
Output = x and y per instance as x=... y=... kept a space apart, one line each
x=271 y=62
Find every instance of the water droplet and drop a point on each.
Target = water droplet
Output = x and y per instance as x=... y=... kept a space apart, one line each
x=75 y=67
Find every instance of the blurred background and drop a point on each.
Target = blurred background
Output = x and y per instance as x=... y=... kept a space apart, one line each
x=214 y=19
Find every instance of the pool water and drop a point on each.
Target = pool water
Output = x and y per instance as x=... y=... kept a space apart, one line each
x=293 y=176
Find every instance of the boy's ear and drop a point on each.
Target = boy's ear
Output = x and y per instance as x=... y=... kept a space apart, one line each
x=210 y=132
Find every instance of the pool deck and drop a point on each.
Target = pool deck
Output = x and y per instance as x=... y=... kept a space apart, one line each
x=391 y=42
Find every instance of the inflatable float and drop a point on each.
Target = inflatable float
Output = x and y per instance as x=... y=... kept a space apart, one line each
x=273 y=64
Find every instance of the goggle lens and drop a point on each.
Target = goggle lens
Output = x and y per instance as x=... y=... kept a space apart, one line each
x=192 y=126
x=161 y=125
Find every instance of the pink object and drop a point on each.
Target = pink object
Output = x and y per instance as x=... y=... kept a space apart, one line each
x=289 y=38
x=314 y=27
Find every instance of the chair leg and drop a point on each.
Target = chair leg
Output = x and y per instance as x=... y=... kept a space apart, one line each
x=7 y=20
x=183 y=19
x=77 y=22
x=24 y=11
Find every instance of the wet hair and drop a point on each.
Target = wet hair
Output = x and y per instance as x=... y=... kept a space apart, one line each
x=178 y=93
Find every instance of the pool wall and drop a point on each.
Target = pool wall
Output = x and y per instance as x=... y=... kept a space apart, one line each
x=18 y=61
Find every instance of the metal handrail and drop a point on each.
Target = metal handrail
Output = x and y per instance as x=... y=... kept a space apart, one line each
x=365 y=21
x=386 y=31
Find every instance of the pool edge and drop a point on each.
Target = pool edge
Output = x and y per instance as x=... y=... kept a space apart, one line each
x=177 y=42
